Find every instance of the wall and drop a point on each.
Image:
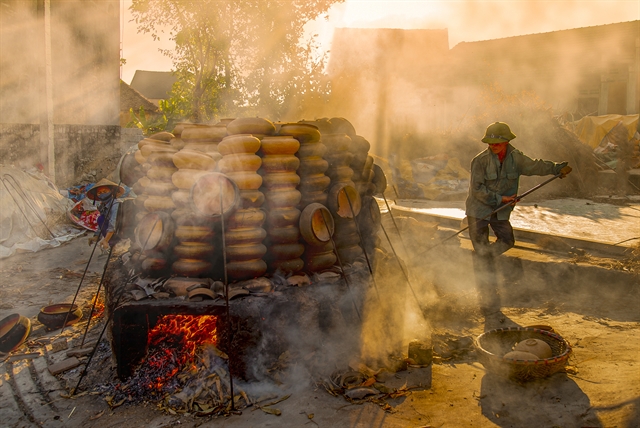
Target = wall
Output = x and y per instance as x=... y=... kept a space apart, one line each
x=81 y=151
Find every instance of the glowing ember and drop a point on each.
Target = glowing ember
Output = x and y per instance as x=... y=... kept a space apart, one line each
x=172 y=345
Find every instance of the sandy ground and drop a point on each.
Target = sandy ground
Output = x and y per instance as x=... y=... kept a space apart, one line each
x=601 y=387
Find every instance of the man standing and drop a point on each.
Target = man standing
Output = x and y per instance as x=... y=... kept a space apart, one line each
x=495 y=174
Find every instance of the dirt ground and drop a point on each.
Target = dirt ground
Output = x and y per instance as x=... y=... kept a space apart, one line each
x=596 y=310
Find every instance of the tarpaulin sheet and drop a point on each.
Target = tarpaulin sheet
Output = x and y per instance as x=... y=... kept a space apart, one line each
x=592 y=129
x=33 y=214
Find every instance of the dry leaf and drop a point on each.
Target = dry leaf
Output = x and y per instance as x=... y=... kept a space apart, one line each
x=96 y=416
x=271 y=411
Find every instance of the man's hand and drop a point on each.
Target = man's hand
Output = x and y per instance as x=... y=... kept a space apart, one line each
x=565 y=171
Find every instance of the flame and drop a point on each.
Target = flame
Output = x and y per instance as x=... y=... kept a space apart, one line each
x=172 y=345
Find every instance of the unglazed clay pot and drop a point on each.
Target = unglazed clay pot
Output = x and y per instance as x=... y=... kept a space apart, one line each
x=316 y=224
x=521 y=356
x=537 y=347
x=251 y=125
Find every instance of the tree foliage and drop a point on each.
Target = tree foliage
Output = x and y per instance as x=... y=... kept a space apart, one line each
x=239 y=57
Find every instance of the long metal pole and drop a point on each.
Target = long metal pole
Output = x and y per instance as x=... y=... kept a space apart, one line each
x=226 y=298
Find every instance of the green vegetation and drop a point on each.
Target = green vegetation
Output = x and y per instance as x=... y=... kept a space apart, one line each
x=238 y=57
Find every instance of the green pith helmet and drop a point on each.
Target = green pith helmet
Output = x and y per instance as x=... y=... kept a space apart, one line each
x=498 y=132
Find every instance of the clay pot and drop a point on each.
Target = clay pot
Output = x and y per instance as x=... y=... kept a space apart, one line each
x=287 y=266
x=194 y=233
x=14 y=330
x=316 y=150
x=314 y=183
x=53 y=316
x=312 y=166
x=155 y=232
x=191 y=267
x=159 y=188
x=246 y=269
x=336 y=142
x=191 y=159
x=246 y=180
x=314 y=221
x=186 y=217
x=379 y=179
x=359 y=144
x=349 y=254
x=520 y=356
x=302 y=132
x=162 y=173
x=341 y=173
x=251 y=125
x=280 y=179
x=245 y=236
x=161 y=158
x=193 y=250
x=341 y=125
x=283 y=145
x=139 y=158
x=344 y=200
x=214 y=194
x=205 y=147
x=159 y=203
x=280 y=163
x=186 y=178
x=242 y=143
x=346 y=240
x=153 y=264
x=281 y=217
x=201 y=293
x=246 y=218
x=182 y=198
x=239 y=162
x=278 y=198
x=149 y=149
x=316 y=262
x=177 y=143
x=286 y=251
x=162 y=136
x=246 y=252
x=251 y=199
x=283 y=235
x=537 y=347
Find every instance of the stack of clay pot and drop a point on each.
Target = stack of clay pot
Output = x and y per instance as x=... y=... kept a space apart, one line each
x=154 y=190
x=243 y=232
x=194 y=233
x=154 y=237
x=313 y=181
x=279 y=180
x=361 y=164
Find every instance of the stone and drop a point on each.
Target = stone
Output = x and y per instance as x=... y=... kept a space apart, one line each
x=64 y=365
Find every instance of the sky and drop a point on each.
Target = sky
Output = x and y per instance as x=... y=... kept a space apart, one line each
x=465 y=20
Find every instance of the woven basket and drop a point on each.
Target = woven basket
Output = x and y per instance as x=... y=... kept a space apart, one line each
x=492 y=345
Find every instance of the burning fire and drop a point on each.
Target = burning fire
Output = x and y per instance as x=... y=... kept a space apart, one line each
x=172 y=345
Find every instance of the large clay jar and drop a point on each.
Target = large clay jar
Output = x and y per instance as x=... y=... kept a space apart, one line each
x=154 y=189
x=317 y=228
x=279 y=183
x=345 y=205
x=243 y=231
x=154 y=237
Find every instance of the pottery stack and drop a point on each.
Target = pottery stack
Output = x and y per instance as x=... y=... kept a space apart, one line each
x=279 y=181
x=244 y=233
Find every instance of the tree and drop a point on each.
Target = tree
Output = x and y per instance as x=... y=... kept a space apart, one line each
x=239 y=56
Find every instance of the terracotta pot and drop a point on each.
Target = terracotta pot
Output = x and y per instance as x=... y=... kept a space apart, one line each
x=150 y=141
x=251 y=125
x=315 y=219
x=206 y=147
x=182 y=198
x=193 y=250
x=317 y=262
x=336 y=142
x=246 y=269
x=246 y=218
x=315 y=150
x=312 y=167
x=341 y=173
x=286 y=251
x=344 y=200
x=283 y=145
x=235 y=144
x=342 y=125
x=537 y=347
x=245 y=236
x=14 y=330
x=149 y=149
x=191 y=267
x=314 y=183
x=520 y=356
x=153 y=264
x=53 y=316
x=280 y=179
x=162 y=136
x=177 y=143
x=194 y=233
x=246 y=180
x=180 y=126
x=191 y=159
x=159 y=188
x=369 y=219
x=338 y=159
x=281 y=217
x=155 y=232
x=349 y=254
x=280 y=163
x=245 y=252
x=186 y=178
x=313 y=198
x=161 y=158
x=186 y=217
x=162 y=173
x=280 y=198
x=251 y=199
x=139 y=158
x=159 y=203
x=359 y=144
x=239 y=162
x=346 y=240
x=287 y=266
x=283 y=235
x=302 y=132
x=214 y=194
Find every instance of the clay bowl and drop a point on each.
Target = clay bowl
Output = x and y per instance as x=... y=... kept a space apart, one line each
x=14 y=330
x=53 y=316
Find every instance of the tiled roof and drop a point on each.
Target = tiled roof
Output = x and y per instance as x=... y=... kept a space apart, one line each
x=155 y=85
x=132 y=99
